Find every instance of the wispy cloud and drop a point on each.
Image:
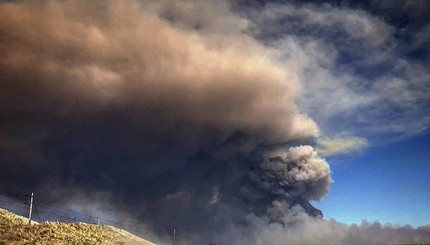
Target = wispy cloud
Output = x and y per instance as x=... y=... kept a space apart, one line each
x=357 y=75
x=340 y=145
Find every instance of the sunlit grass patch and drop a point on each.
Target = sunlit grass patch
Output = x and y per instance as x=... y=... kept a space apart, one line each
x=15 y=229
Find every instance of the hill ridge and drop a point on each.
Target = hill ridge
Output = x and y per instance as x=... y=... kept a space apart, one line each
x=14 y=229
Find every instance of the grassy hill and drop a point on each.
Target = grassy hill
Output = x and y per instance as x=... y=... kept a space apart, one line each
x=14 y=229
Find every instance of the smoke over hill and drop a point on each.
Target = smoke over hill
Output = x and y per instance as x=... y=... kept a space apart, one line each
x=16 y=230
x=181 y=122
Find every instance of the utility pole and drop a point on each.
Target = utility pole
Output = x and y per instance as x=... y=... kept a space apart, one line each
x=174 y=236
x=31 y=209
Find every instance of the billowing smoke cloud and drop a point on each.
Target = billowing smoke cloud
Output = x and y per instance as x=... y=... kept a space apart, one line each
x=370 y=58
x=313 y=231
x=294 y=176
x=181 y=122
x=123 y=98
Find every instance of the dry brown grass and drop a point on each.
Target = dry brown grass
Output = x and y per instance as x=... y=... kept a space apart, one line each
x=14 y=229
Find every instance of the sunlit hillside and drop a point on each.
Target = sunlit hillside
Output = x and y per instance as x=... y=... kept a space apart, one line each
x=14 y=229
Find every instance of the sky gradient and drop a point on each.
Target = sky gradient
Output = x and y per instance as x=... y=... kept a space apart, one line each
x=393 y=187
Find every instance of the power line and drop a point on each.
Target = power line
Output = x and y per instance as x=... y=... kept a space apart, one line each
x=23 y=197
x=47 y=212
x=37 y=211
x=91 y=217
x=56 y=215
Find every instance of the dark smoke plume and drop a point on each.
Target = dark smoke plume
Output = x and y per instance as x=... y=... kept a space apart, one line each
x=180 y=122
x=112 y=97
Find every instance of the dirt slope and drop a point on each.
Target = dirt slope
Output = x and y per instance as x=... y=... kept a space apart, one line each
x=14 y=229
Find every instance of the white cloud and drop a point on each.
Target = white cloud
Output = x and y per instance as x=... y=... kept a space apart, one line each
x=340 y=145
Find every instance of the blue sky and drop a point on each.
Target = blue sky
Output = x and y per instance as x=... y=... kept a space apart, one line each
x=389 y=184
